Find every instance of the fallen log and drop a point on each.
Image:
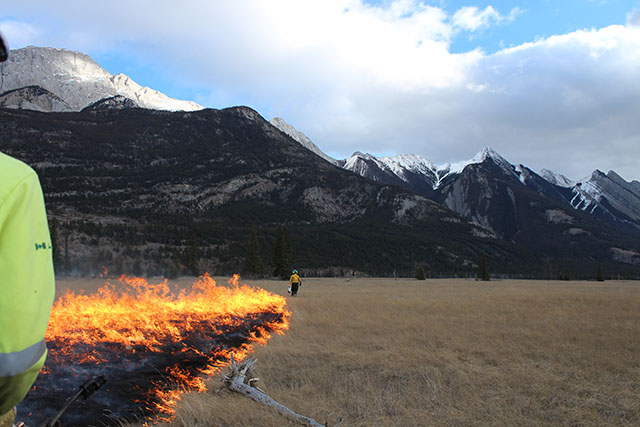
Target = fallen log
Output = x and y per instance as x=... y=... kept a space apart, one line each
x=240 y=381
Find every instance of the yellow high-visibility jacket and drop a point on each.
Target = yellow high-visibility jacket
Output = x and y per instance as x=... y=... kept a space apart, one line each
x=26 y=280
x=294 y=279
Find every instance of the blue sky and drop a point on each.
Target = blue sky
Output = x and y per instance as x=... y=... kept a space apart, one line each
x=550 y=84
x=541 y=19
x=533 y=20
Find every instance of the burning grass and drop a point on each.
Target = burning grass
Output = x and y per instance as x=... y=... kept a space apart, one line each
x=446 y=352
x=150 y=342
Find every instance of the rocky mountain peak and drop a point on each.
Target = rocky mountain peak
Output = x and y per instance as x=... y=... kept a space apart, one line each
x=488 y=153
x=412 y=162
x=633 y=186
x=117 y=102
x=300 y=137
x=33 y=98
x=78 y=80
x=609 y=195
x=556 y=178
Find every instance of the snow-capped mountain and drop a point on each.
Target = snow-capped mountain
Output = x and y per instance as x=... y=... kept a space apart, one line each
x=489 y=177
x=419 y=173
x=301 y=138
x=509 y=201
x=609 y=196
x=480 y=157
x=76 y=80
x=556 y=178
x=410 y=171
x=406 y=170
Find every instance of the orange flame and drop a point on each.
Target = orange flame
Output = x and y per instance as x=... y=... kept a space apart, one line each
x=234 y=280
x=147 y=316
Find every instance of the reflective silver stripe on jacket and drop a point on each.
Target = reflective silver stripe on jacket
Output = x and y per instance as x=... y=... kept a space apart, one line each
x=20 y=361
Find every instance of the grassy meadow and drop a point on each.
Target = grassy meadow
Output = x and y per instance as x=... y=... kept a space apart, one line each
x=446 y=352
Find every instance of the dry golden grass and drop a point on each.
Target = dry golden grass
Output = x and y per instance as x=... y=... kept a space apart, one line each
x=377 y=352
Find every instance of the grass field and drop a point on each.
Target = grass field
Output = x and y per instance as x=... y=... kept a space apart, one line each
x=380 y=352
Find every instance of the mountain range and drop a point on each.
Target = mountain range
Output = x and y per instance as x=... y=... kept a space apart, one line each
x=607 y=196
x=146 y=184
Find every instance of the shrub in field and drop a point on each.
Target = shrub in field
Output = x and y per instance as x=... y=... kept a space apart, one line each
x=483 y=270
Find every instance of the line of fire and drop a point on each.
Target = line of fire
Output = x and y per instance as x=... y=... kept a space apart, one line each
x=150 y=343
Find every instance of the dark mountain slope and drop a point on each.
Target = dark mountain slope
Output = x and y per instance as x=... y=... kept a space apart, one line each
x=154 y=192
x=32 y=98
x=530 y=212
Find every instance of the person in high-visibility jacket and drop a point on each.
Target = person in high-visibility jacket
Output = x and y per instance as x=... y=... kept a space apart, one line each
x=26 y=280
x=295 y=281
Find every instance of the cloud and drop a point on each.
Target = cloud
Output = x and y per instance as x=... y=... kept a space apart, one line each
x=19 y=33
x=633 y=18
x=381 y=79
x=562 y=103
x=470 y=18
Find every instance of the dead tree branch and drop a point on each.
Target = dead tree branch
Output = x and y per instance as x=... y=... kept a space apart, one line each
x=241 y=375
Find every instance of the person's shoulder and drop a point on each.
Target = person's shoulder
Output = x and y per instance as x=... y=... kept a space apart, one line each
x=10 y=166
x=12 y=172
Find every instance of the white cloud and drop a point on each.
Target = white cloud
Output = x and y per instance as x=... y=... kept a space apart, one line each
x=470 y=18
x=562 y=103
x=633 y=18
x=380 y=79
x=19 y=33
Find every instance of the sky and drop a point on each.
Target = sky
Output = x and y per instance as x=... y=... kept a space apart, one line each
x=548 y=84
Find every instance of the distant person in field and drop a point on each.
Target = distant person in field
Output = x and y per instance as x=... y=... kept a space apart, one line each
x=26 y=279
x=295 y=282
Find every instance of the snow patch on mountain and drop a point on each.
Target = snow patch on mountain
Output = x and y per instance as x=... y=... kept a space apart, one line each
x=591 y=186
x=587 y=193
x=556 y=178
x=355 y=164
x=486 y=153
x=522 y=174
x=402 y=163
x=406 y=167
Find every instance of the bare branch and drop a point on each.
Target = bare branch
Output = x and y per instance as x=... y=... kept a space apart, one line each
x=235 y=381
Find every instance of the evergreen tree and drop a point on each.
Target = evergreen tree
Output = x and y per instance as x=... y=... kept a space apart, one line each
x=190 y=257
x=282 y=254
x=599 y=275
x=420 y=273
x=287 y=258
x=173 y=270
x=253 y=265
x=566 y=276
x=137 y=267
x=483 y=271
